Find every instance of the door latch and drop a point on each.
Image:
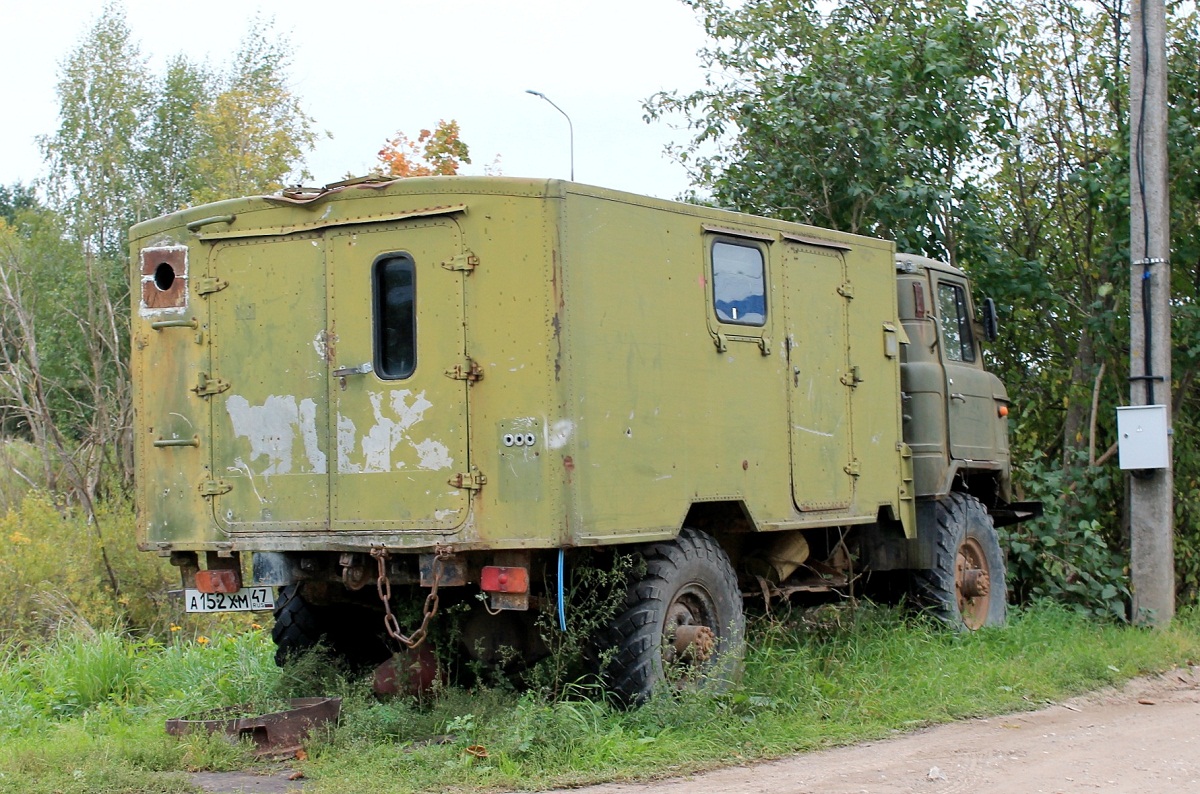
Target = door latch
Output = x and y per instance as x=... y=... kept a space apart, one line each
x=341 y=372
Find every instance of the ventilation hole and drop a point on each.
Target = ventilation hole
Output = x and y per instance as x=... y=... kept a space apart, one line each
x=164 y=277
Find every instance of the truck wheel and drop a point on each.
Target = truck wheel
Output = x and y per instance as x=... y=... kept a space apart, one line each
x=296 y=628
x=682 y=621
x=352 y=633
x=966 y=585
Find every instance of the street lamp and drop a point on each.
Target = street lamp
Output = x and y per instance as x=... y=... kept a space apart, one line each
x=570 y=126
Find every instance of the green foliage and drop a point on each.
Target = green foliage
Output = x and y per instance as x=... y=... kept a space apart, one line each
x=129 y=145
x=1064 y=556
x=52 y=573
x=595 y=592
x=865 y=119
x=812 y=679
x=16 y=199
x=255 y=132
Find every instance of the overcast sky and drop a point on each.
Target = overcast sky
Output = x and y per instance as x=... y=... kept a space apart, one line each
x=366 y=69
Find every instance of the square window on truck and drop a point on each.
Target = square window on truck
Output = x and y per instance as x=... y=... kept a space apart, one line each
x=739 y=283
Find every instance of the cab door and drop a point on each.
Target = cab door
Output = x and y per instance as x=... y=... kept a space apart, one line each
x=398 y=407
x=971 y=405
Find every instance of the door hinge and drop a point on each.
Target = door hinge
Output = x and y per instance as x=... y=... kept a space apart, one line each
x=206 y=386
x=467 y=370
x=852 y=378
x=472 y=480
x=852 y=468
x=215 y=487
x=466 y=262
x=846 y=290
x=207 y=285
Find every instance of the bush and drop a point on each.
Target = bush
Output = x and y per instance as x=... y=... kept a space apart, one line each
x=1068 y=554
x=52 y=571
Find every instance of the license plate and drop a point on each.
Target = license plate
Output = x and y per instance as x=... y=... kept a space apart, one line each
x=248 y=599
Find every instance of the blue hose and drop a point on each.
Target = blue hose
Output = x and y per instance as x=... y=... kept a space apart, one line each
x=562 y=609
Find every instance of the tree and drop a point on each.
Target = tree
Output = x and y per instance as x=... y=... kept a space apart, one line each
x=255 y=133
x=437 y=152
x=16 y=199
x=93 y=156
x=168 y=178
x=867 y=119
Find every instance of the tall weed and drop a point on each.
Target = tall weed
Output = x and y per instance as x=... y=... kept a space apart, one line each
x=51 y=572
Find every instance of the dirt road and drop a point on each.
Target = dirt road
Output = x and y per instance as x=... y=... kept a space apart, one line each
x=1144 y=738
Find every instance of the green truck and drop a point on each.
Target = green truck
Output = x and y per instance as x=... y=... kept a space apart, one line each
x=359 y=402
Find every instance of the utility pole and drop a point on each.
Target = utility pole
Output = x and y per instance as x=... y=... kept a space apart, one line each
x=1151 y=507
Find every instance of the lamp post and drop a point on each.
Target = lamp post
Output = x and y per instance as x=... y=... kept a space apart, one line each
x=570 y=126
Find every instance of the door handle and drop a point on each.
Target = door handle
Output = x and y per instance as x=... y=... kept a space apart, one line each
x=959 y=397
x=341 y=372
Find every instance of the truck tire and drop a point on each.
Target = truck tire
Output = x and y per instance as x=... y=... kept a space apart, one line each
x=296 y=628
x=965 y=588
x=352 y=633
x=682 y=622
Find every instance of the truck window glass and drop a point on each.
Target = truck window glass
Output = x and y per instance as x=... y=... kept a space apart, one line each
x=956 y=325
x=739 y=279
x=395 y=318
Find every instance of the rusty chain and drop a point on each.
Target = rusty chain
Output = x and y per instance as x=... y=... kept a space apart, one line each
x=384 y=586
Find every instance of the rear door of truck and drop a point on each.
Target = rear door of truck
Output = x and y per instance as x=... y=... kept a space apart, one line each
x=397 y=395
x=268 y=384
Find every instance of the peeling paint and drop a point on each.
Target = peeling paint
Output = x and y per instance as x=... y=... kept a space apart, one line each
x=271 y=429
x=395 y=412
x=320 y=344
x=559 y=434
x=434 y=455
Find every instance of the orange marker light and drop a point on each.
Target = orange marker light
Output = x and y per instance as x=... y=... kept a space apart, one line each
x=1003 y=410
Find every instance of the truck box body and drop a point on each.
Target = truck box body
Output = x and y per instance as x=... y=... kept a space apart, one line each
x=496 y=363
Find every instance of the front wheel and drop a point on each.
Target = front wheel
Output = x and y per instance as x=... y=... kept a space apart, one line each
x=682 y=621
x=965 y=587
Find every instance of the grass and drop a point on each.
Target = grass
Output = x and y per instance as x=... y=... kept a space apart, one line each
x=85 y=713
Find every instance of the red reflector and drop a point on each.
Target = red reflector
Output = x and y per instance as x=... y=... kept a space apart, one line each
x=495 y=579
x=219 y=581
x=1003 y=410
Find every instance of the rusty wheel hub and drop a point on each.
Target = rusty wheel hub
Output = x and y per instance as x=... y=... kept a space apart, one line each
x=689 y=638
x=972 y=583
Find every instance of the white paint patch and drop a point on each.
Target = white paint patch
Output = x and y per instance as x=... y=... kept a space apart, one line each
x=321 y=345
x=347 y=433
x=442 y=515
x=270 y=428
x=395 y=414
x=433 y=454
x=308 y=433
x=814 y=432
x=559 y=434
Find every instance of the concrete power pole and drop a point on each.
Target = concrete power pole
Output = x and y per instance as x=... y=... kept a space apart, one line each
x=1151 y=510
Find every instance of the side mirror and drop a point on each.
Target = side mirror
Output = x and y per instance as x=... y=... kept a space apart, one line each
x=991 y=321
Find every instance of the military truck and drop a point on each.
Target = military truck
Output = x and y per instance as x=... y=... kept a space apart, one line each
x=394 y=395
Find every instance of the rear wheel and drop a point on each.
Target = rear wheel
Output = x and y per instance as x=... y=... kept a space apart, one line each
x=354 y=634
x=965 y=587
x=682 y=621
